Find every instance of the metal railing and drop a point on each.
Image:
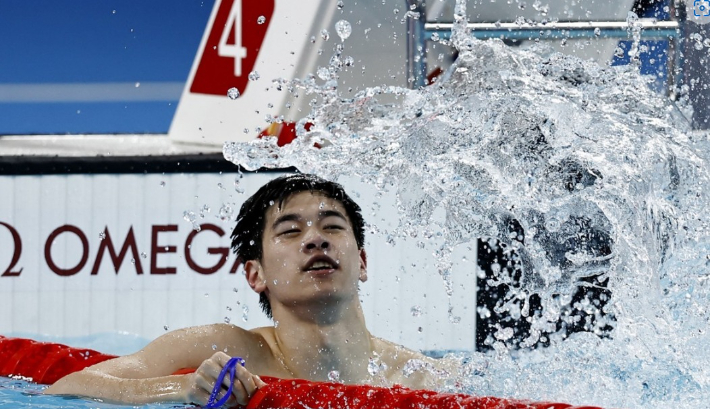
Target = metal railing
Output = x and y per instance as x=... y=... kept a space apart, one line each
x=649 y=28
x=420 y=31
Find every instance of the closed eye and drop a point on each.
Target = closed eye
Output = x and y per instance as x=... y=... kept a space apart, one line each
x=334 y=227
x=289 y=231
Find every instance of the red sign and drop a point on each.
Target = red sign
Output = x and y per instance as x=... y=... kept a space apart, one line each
x=233 y=44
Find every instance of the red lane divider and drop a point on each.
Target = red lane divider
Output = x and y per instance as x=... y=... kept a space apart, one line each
x=47 y=362
x=44 y=362
x=303 y=394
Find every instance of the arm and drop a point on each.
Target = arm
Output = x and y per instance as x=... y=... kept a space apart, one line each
x=146 y=377
x=415 y=370
x=93 y=382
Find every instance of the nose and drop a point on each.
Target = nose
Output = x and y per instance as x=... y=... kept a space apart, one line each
x=316 y=240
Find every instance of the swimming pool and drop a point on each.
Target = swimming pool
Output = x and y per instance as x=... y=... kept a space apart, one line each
x=572 y=152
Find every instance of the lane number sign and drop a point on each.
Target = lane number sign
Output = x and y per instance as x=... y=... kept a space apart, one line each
x=232 y=47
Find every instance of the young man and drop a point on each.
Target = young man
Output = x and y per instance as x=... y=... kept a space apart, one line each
x=301 y=241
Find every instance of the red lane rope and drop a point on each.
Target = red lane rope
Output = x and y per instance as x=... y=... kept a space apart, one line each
x=46 y=363
x=303 y=394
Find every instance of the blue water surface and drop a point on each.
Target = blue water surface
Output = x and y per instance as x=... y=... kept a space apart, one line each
x=15 y=393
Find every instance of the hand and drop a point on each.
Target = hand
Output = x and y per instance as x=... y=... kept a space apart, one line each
x=198 y=386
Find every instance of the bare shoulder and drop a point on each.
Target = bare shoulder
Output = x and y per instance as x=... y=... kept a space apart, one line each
x=410 y=368
x=203 y=341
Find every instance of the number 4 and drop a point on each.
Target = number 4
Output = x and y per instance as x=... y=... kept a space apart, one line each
x=235 y=50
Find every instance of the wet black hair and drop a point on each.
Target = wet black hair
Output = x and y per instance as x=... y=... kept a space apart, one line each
x=248 y=233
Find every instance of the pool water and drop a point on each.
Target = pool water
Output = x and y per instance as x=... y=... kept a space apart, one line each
x=19 y=394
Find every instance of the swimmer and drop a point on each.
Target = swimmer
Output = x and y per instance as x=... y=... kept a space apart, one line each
x=301 y=241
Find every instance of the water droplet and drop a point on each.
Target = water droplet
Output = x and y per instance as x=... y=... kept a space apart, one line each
x=162 y=183
x=144 y=255
x=102 y=235
x=190 y=216
x=504 y=334
x=324 y=34
x=214 y=347
x=341 y=4
x=334 y=376
x=552 y=224
x=225 y=212
x=165 y=327
x=416 y=311
x=233 y=93
x=227 y=320
x=261 y=20
x=323 y=73
x=245 y=313
x=344 y=29
x=413 y=365
x=237 y=185
x=434 y=36
x=373 y=366
x=138 y=84
x=253 y=76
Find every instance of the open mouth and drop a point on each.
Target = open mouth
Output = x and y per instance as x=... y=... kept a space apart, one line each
x=321 y=265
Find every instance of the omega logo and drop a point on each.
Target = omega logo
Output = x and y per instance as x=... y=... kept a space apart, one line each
x=17 y=240
x=118 y=255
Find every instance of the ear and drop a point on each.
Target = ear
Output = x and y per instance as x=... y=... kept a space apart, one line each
x=363 y=265
x=255 y=275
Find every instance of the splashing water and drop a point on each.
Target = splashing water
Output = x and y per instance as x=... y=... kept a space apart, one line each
x=603 y=178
